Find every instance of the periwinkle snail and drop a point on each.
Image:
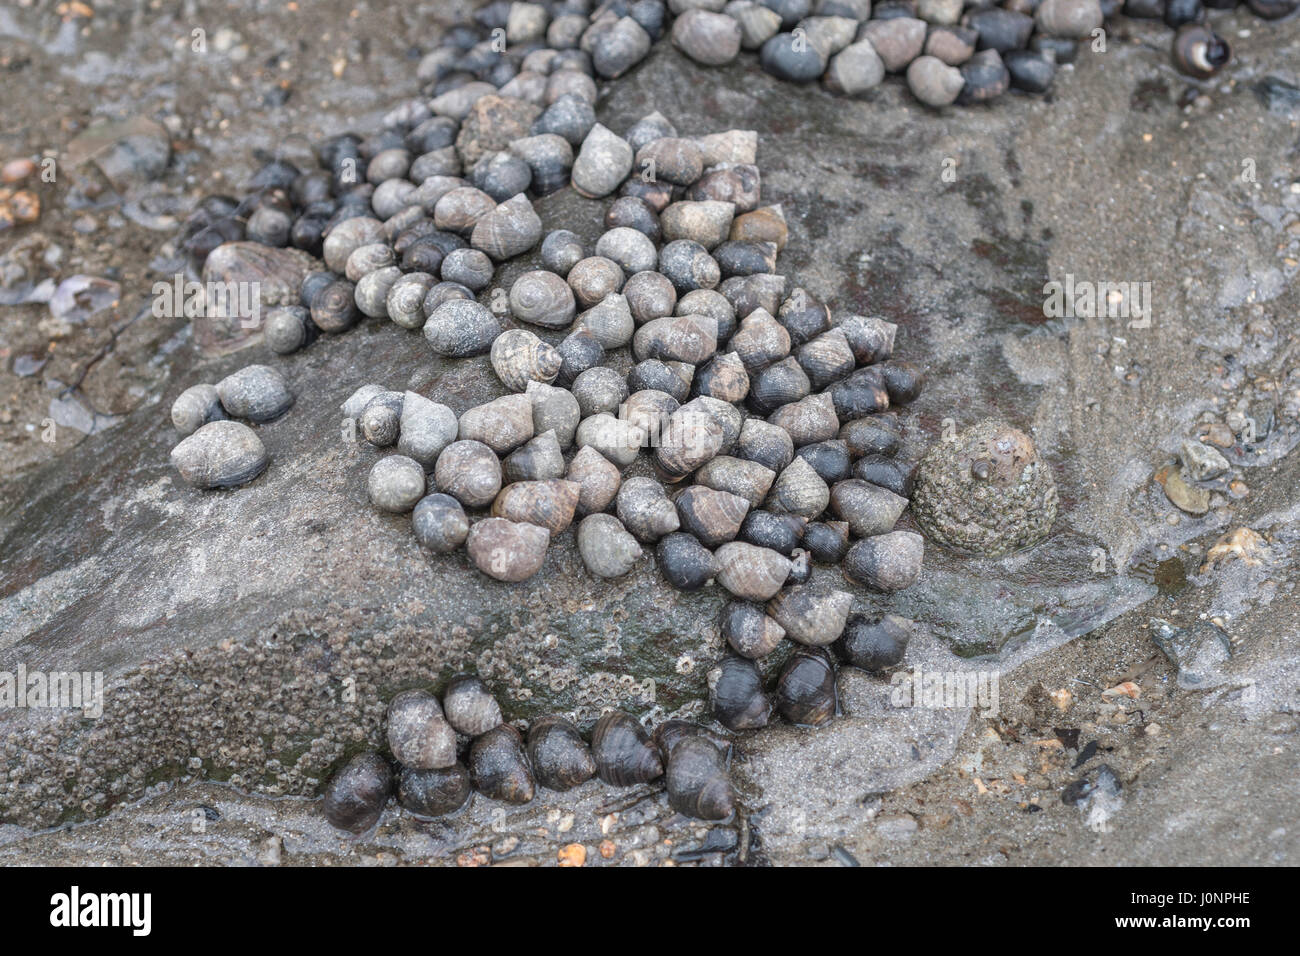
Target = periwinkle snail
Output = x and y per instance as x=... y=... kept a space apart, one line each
x=623 y=752
x=560 y=757
x=356 y=795
x=499 y=767
x=697 y=780
x=1200 y=52
x=805 y=691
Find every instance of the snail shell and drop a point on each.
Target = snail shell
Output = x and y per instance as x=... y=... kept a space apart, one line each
x=707 y=37
x=623 y=752
x=355 y=796
x=256 y=392
x=334 y=307
x=549 y=504
x=519 y=357
x=750 y=572
x=868 y=509
x=737 y=691
x=830 y=459
x=195 y=407
x=645 y=510
x=542 y=298
x=599 y=389
x=780 y=532
x=426 y=429
x=685 y=563
x=672 y=378
x=570 y=114
x=499 y=767
x=549 y=158
x=579 y=351
x=688 y=265
x=607 y=550
x=690 y=438
x=827 y=358
x=470 y=707
x=220 y=454
x=886 y=562
x=502 y=175
x=767 y=444
x=396 y=483
x=712 y=303
x=714 y=517
x=348 y=236
x=418 y=733
x=738 y=184
x=459 y=209
x=863 y=393
x=470 y=472
x=560 y=757
x=799 y=490
x=877 y=435
x=673 y=732
x=673 y=160
x=507 y=550
x=371 y=293
x=634 y=212
x=760 y=340
x=633 y=251
x=368 y=258
x=537 y=460
x=502 y=424
x=649 y=296
x=742 y=258
x=461 y=328
x=749 y=631
x=748 y=479
x=649 y=410
x=874 y=645
x=312 y=284
x=782 y=383
x=445 y=292
x=765 y=224
x=468 y=267
x=288 y=328
x=903 y=381
x=698 y=785
x=405 y=300
x=684 y=338
x=554 y=409
x=609 y=321
x=433 y=793
x=648 y=128
x=811 y=616
x=602 y=164
x=561 y=251
x=509 y=230
x=705 y=222
x=870 y=338
x=727 y=416
x=723 y=378
x=439 y=523
x=617 y=440
x=358 y=400
x=806 y=692
x=748 y=294
x=827 y=541
x=599 y=478
x=800 y=567
x=808 y=420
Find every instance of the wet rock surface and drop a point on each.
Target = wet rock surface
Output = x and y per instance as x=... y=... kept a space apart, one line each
x=337 y=608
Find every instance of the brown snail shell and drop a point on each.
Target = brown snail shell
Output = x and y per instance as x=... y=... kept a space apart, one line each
x=561 y=758
x=809 y=616
x=549 y=504
x=1198 y=51
x=760 y=340
x=509 y=230
x=598 y=477
x=723 y=378
x=808 y=420
x=645 y=510
x=765 y=224
x=542 y=298
x=616 y=439
x=418 y=733
x=767 y=444
x=683 y=338
x=502 y=424
x=714 y=517
x=739 y=702
x=507 y=550
x=649 y=410
x=433 y=793
x=606 y=548
x=727 y=416
x=781 y=383
x=806 y=693
x=460 y=208
x=623 y=752
x=499 y=767
x=650 y=295
x=519 y=357
x=706 y=222
x=868 y=509
x=470 y=472
x=739 y=184
x=698 y=784
x=381 y=420
x=536 y=460
x=712 y=303
x=690 y=438
x=554 y=409
x=673 y=160
x=348 y=236
x=405 y=300
x=469 y=706
x=748 y=479
x=334 y=308
x=356 y=796
x=749 y=631
x=827 y=358
x=750 y=572
x=593 y=278
x=799 y=490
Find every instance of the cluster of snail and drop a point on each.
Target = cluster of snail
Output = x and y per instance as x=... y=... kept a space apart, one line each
x=425 y=739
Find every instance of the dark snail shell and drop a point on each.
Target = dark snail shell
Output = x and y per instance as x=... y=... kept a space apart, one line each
x=440 y=523
x=673 y=378
x=739 y=702
x=779 y=384
x=870 y=338
x=561 y=251
x=685 y=563
x=886 y=472
x=805 y=691
x=810 y=615
x=799 y=490
x=433 y=793
x=861 y=394
x=803 y=316
x=760 y=340
x=869 y=509
x=767 y=444
x=561 y=758
x=634 y=213
x=713 y=304
x=580 y=350
x=827 y=541
x=749 y=631
x=470 y=706
x=623 y=752
x=877 y=435
x=537 y=460
x=688 y=265
x=355 y=796
x=874 y=645
x=698 y=784
x=780 y=532
x=723 y=378
x=645 y=510
x=903 y=381
x=334 y=308
x=714 y=517
x=499 y=767
x=827 y=358
x=649 y=296
x=1198 y=51
x=830 y=459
